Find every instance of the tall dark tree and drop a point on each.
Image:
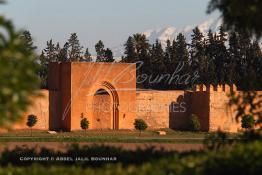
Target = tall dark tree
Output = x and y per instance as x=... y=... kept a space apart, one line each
x=244 y=44
x=197 y=53
x=49 y=54
x=86 y=57
x=108 y=56
x=63 y=54
x=168 y=52
x=221 y=55
x=43 y=70
x=255 y=63
x=211 y=52
x=158 y=67
x=50 y=51
x=234 y=59
x=130 y=51
x=74 y=49
x=253 y=67
x=142 y=49
x=100 y=51
x=173 y=57
x=27 y=37
x=182 y=56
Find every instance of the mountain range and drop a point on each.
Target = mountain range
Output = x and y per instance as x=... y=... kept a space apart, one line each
x=171 y=32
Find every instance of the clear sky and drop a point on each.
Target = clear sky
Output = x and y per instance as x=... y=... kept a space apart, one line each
x=112 y=21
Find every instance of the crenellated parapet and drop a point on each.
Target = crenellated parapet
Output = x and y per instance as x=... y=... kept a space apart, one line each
x=215 y=88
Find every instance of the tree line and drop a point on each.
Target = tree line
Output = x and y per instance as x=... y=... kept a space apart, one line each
x=217 y=58
x=71 y=51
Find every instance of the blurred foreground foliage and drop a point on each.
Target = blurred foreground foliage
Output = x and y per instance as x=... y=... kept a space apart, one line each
x=241 y=159
x=240 y=15
x=18 y=78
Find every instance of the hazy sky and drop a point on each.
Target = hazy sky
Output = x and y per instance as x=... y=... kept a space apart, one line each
x=112 y=21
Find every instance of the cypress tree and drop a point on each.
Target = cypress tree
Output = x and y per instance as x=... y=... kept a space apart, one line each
x=108 y=56
x=157 y=66
x=244 y=44
x=142 y=49
x=182 y=56
x=74 y=48
x=130 y=51
x=86 y=57
x=197 y=54
x=27 y=37
x=50 y=51
x=43 y=70
x=63 y=54
x=210 y=52
x=221 y=55
x=100 y=51
x=168 y=52
x=233 y=66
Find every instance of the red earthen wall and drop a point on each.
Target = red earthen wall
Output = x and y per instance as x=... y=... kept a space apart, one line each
x=40 y=108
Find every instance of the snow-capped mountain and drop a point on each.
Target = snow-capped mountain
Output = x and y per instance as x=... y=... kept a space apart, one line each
x=163 y=34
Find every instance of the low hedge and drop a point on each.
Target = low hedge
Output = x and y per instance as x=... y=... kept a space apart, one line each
x=242 y=159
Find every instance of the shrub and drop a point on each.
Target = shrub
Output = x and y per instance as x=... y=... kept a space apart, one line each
x=31 y=121
x=247 y=122
x=140 y=125
x=84 y=124
x=194 y=124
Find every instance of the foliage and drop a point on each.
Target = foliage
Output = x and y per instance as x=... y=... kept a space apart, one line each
x=31 y=120
x=27 y=37
x=140 y=125
x=84 y=124
x=103 y=55
x=248 y=104
x=240 y=15
x=18 y=75
x=247 y=122
x=74 y=48
x=194 y=124
x=125 y=156
x=241 y=159
x=206 y=60
x=87 y=56
x=100 y=51
x=217 y=141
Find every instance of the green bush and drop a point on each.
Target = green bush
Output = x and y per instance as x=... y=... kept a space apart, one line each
x=194 y=124
x=247 y=122
x=140 y=125
x=31 y=121
x=84 y=124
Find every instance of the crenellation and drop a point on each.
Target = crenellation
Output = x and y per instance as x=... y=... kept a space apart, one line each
x=227 y=88
x=219 y=88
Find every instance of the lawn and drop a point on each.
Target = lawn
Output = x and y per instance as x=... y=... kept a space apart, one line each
x=122 y=136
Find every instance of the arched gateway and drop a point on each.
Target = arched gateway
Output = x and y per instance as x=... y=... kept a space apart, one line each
x=104 y=93
x=105 y=107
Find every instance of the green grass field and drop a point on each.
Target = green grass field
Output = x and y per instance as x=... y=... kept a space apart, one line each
x=123 y=136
